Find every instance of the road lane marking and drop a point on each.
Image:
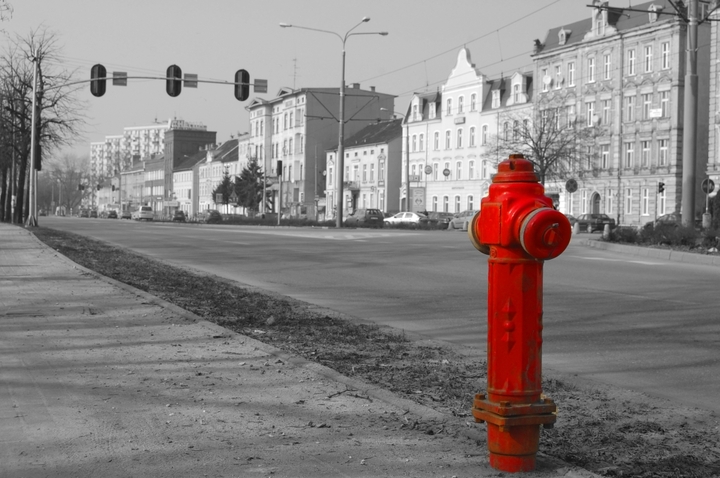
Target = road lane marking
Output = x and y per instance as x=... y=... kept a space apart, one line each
x=646 y=263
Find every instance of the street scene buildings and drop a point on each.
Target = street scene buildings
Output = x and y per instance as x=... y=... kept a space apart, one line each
x=618 y=73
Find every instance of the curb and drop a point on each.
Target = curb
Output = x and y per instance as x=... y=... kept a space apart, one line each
x=652 y=252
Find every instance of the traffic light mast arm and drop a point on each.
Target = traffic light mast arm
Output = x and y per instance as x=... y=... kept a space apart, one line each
x=79 y=82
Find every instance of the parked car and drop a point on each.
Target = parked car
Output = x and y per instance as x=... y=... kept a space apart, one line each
x=460 y=219
x=441 y=219
x=143 y=213
x=594 y=222
x=84 y=213
x=210 y=216
x=412 y=219
x=112 y=214
x=93 y=213
x=673 y=218
x=365 y=217
x=571 y=218
x=179 y=216
x=125 y=215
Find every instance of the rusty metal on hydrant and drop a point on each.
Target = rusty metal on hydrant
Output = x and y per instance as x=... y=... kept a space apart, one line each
x=519 y=229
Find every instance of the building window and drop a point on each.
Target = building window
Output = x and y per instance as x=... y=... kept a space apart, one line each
x=558 y=81
x=628 y=201
x=663 y=153
x=448 y=109
x=364 y=173
x=506 y=130
x=665 y=103
x=604 y=155
x=432 y=110
x=484 y=135
x=472 y=136
x=422 y=142
x=591 y=70
x=645 y=201
x=648 y=58
x=458 y=170
x=629 y=108
x=571 y=73
x=661 y=203
x=647 y=103
x=484 y=170
x=606 y=111
x=496 y=98
x=372 y=173
x=414 y=143
x=609 y=204
x=590 y=108
x=583 y=201
x=645 y=153
x=447 y=139
x=473 y=102
x=415 y=112
x=436 y=170
x=470 y=202
x=570 y=114
x=606 y=67
x=445 y=204
x=629 y=155
x=437 y=140
x=434 y=203
x=544 y=75
x=665 y=55
x=631 y=62
x=447 y=167
x=459 y=137
x=471 y=169
x=460 y=104
x=457 y=204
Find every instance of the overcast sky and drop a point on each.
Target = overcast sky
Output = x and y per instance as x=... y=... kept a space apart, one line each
x=215 y=38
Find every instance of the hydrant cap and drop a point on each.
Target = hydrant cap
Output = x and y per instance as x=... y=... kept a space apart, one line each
x=545 y=233
x=516 y=169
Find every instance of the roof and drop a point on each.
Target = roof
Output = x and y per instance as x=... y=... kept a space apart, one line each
x=375 y=133
x=620 y=18
x=505 y=86
x=190 y=161
x=226 y=152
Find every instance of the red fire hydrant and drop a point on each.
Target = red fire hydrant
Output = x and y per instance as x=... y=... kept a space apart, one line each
x=519 y=229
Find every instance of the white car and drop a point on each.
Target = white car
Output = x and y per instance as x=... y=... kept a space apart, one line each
x=144 y=212
x=412 y=219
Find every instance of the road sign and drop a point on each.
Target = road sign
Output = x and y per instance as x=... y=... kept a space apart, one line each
x=708 y=186
x=571 y=185
x=428 y=169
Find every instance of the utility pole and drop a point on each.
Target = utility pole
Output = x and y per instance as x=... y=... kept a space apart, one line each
x=690 y=118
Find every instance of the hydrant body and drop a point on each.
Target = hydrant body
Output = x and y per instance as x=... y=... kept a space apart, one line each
x=519 y=229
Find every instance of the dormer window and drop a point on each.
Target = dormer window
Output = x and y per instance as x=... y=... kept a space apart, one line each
x=653 y=12
x=496 y=99
x=563 y=36
x=432 y=110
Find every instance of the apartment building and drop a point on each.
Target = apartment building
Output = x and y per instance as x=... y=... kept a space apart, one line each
x=219 y=160
x=294 y=130
x=620 y=71
x=371 y=178
x=448 y=136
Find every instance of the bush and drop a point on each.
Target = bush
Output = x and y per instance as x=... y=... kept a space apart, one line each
x=626 y=234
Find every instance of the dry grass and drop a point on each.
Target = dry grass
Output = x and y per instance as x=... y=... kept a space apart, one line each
x=610 y=432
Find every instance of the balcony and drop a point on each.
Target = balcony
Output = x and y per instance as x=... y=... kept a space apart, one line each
x=351 y=185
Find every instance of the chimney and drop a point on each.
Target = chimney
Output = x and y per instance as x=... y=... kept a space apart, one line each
x=356 y=86
x=372 y=88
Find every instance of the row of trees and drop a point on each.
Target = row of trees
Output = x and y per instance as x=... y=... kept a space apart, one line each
x=59 y=117
x=248 y=188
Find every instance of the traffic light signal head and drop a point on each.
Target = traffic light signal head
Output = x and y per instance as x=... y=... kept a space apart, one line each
x=661 y=187
x=99 y=187
x=80 y=187
x=113 y=188
x=242 y=85
x=173 y=84
x=98 y=74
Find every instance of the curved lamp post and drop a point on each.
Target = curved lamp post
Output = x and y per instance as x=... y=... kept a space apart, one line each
x=341 y=118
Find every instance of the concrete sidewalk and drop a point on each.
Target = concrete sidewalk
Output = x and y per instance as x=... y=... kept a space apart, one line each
x=100 y=379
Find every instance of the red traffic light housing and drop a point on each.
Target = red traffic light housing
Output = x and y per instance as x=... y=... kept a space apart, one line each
x=242 y=85
x=173 y=84
x=98 y=73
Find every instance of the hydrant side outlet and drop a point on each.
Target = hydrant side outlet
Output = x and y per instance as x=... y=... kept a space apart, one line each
x=520 y=229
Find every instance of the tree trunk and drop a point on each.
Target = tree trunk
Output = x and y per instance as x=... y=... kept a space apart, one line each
x=5 y=196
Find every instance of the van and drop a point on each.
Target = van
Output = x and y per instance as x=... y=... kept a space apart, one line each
x=143 y=212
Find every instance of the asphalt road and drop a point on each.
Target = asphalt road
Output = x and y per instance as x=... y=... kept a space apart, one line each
x=648 y=325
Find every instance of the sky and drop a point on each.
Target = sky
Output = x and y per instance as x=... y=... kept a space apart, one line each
x=215 y=38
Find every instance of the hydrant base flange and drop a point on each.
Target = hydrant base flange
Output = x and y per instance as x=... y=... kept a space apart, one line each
x=517 y=414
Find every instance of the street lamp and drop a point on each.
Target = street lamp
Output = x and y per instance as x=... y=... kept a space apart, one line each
x=407 y=161
x=341 y=119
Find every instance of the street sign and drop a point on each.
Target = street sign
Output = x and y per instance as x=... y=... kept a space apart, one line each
x=708 y=186
x=218 y=198
x=571 y=185
x=428 y=169
x=446 y=172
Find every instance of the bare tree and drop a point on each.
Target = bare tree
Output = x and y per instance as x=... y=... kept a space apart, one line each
x=59 y=114
x=550 y=135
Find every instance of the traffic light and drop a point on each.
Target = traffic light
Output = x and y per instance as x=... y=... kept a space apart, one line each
x=661 y=187
x=99 y=187
x=242 y=85
x=279 y=169
x=98 y=74
x=173 y=84
x=80 y=187
x=113 y=188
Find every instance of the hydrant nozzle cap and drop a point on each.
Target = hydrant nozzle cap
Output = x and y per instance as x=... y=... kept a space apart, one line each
x=516 y=169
